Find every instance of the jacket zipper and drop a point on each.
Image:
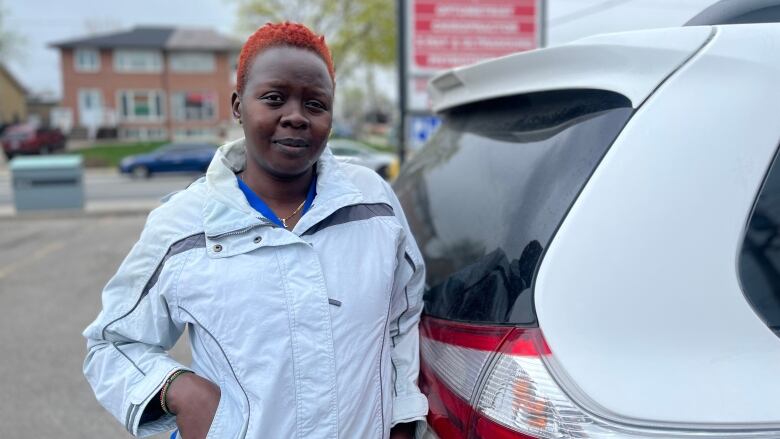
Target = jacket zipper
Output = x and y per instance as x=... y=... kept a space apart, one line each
x=239 y=231
x=245 y=428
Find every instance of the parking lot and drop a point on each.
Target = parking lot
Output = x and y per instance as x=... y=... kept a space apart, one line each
x=52 y=270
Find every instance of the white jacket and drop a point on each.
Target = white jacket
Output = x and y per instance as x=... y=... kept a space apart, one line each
x=310 y=333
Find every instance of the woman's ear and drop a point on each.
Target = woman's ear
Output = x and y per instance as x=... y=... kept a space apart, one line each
x=235 y=104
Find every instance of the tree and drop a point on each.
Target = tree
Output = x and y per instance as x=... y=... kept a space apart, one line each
x=358 y=32
x=9 y=40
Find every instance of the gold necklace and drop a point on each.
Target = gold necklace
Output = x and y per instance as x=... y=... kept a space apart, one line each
x=283 y=220
x=297 y=209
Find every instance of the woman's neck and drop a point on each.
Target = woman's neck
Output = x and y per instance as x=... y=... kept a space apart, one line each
x=277 y=191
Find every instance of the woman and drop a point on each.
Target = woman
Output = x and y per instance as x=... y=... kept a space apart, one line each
x=296 y=275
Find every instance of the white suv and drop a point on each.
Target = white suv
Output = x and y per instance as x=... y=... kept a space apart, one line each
x=601 y=225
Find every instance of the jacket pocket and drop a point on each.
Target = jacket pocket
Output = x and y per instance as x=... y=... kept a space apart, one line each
x=231 y=419
x=215 y=430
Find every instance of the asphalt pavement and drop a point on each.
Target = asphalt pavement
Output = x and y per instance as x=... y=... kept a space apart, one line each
x=52 y=271
x=53 y=266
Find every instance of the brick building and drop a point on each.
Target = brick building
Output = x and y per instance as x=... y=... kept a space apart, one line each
x=150 y=82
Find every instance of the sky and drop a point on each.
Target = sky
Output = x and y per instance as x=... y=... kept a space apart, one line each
x=41 y=22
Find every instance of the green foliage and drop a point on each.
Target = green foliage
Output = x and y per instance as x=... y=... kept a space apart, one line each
x=10 y=41
x=112 y=154
x=5 y=37
x=357 y=31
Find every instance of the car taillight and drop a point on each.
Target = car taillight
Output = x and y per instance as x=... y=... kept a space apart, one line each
x=507 y=402
x=489 y=382
x=519 y=397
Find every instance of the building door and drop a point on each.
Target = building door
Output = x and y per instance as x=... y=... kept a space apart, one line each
x=90 y=109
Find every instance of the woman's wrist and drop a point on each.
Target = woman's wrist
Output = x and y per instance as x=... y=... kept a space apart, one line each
x=165 y=399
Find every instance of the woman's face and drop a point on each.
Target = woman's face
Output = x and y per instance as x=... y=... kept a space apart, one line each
x=286 y=110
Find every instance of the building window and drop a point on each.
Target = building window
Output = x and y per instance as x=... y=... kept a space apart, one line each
x=89 y=99
x=87 y=60
x=137 y=61
x=140 y=104
x=192 y=62
x=194 y=105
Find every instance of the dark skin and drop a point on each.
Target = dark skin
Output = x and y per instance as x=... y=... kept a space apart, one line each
x=286 y=113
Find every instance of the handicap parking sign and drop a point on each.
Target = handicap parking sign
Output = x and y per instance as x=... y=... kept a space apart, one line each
x=421 y=129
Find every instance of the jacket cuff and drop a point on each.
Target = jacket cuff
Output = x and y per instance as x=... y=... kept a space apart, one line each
x=410 y=408
x=143 y=393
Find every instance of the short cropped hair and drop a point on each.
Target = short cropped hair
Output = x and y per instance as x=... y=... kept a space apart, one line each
x=285 y=34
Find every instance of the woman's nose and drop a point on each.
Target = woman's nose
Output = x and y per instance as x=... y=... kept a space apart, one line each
x=295 y=117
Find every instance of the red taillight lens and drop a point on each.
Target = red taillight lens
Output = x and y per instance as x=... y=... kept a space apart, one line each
x=514 y=400
x=454 y=356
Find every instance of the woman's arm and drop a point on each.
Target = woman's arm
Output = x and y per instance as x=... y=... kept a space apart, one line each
x=127 y=360
x=410 y=406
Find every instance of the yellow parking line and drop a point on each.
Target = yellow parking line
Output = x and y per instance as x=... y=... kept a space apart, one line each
x=40 y=254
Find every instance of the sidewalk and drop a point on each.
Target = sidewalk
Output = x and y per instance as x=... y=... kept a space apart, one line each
x=91 y=209
x=106 y=193
x=141 y=205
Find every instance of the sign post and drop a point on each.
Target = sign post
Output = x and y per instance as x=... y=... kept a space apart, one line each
x=401 y=41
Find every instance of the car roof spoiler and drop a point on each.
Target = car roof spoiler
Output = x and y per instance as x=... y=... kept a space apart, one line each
x=632 y=64
x=738 y=12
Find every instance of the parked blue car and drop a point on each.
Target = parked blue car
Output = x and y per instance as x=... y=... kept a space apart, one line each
x=173 y=157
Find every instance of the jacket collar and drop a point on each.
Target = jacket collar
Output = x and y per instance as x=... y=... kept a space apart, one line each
x=226 y=209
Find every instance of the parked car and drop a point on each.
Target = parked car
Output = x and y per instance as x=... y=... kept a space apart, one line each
x=173 y=157
x=27 y=138
x=601 y=227
x=350 y=151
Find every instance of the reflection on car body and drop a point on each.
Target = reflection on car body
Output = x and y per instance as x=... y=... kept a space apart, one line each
x=350 y=151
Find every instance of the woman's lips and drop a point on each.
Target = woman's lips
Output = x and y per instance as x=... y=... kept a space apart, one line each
x=291 y=142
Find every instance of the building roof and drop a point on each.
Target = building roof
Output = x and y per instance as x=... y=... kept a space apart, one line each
x=12 y=79
x=154 y=37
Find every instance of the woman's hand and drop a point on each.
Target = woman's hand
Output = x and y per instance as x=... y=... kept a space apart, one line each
x=402 y=431
x=194 y=400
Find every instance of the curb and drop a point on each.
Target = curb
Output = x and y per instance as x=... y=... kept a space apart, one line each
x=91 y=210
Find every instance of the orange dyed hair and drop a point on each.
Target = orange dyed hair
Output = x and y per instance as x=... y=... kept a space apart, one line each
x=281 y=34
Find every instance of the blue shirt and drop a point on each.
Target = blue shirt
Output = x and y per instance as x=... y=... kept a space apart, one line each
x=259 y=205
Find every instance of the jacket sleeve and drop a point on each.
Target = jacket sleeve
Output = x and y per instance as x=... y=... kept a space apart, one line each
x=409 y=404
x=127 y=362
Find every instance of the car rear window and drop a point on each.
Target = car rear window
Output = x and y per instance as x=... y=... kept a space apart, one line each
x=759 y=261
x=486 y=194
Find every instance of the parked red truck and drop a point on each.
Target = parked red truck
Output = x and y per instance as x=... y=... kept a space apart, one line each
x=30 y=139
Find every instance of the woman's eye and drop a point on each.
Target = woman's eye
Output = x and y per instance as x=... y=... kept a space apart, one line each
x=271 y=98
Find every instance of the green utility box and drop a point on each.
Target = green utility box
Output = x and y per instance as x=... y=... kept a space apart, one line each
x=47 y=182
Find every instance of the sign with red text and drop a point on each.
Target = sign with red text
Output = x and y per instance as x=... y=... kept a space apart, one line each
x=451 y=33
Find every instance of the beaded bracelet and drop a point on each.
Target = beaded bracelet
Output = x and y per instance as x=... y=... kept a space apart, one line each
x=166 y=386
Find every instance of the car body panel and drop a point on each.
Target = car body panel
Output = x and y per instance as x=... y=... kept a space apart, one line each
x=638 y=295
x=29 y=139
x=172 y=158
x=631 y=63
